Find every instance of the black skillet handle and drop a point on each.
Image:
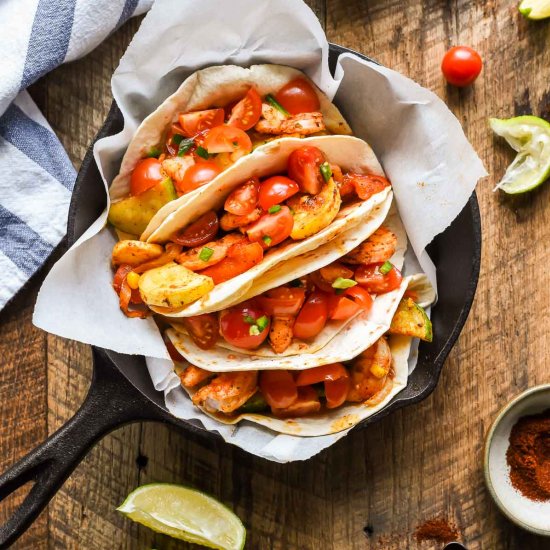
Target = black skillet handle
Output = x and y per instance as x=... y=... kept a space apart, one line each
x=111 y=402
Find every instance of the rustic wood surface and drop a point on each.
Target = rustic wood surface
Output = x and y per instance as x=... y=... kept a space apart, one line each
x=372 y=489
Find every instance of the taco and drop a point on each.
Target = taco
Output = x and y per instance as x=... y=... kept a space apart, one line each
x=289 y=198
x=216 y=117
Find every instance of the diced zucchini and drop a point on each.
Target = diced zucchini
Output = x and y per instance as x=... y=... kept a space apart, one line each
x=132 y=214
x=254 y=405
x=411 y=320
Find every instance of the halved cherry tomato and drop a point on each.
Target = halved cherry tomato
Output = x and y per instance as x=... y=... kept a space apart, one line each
x=278 y=388
x=283 y=300
x=325 y=373
x=244 y=199
x=197 y=175
x=461 y=65
x=240 y=258
x=271 y=229
x=341 y=307
x=238 y=325
x=199 y=232
x=336 y=392
x=360 y=296
x=298 y=96
x=145 y=175
x=303 y=167
x=193 y=123
x=247 y=111
x=228 y=139
x=172 y=351
x=276 y=190
x=366 y=185
x=369 y=277
x=312 y=317
x=203 y=329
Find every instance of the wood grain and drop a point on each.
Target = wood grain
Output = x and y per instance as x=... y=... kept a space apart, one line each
x=372 y=489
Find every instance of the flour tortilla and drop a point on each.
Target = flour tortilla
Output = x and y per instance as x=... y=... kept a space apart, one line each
x=352 y=154
x=350 y=414
x=204 y=89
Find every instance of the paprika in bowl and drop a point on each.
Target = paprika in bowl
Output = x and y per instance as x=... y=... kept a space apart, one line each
x=517 y=460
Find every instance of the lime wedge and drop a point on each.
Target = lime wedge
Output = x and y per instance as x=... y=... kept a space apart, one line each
x=530 y=137
x=535 y=9
x=185 y=514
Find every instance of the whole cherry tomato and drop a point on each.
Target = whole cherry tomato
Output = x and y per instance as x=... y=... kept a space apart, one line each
x=197 y=175
x=461 y=65
x=242 y=325
x=145 y=175
x=246 y=113
x=298 y=96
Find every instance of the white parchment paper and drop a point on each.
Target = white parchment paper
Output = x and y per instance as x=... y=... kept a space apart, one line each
x=419 y=142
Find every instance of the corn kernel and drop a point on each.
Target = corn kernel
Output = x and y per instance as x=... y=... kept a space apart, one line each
x=378 y=371
x=133 y=280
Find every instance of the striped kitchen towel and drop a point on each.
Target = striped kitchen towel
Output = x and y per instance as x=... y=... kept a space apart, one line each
x=36 y=175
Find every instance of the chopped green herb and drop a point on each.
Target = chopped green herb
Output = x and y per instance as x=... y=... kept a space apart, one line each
x=154 y=152
x=267 y=239
x=185 y=145
x=205 y=254
x=249 y=319
x=254 y=330
x=342 y=283
x=177 y=138
x=202 y=152
x=326 y=172
x=296 y=283
x=385 y=268
x=274 y=209
x=262 y=323
x=276 y=105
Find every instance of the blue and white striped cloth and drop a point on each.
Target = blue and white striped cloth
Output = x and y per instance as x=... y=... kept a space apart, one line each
x=36 y=175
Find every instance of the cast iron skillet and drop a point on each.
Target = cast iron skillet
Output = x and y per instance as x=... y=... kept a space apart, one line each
x=122 y=392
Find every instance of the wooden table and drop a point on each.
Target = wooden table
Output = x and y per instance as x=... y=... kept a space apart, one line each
x=372 y=489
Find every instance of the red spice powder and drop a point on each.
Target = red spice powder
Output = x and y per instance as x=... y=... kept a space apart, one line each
x=437 y=529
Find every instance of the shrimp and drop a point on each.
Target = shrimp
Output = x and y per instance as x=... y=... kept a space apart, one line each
x=192 y=376
x=227 y=391
x=280 y=333
x=379 y=247
x=303 y=124
x=135 y=252
x=191 y=258
x=231 y=221
x=175 y=167
x=307 y=403
x=369 y=371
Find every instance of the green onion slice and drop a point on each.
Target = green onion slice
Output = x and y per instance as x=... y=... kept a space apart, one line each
x=326 y=172
x=177 y=138
x=262 y=323
x=254 y=330
x=274 y=209
x=342 y=283
x=154 y=152
x=205 y=254
x=249 y=320
x=276 y=105
x=385 y=268
x=267 y=239
x=202 y=152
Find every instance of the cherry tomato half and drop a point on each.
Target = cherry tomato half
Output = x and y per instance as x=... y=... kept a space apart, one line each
x=283 y=300
x=312 y=317
x=145 y=175
x=197 y=175
x=228 y=139
x=199 y=232
x=303 y=167
x=341 y=307
x=172 y=351
x=278 y=388
x=237 y=324
x=271 y=229
x=246 y=113
x=276 y=190
x=244 y=199
x=193 y=123
x=203 y=329
x=325 y=373
x=298 y=96
x=370 y=278
x=461 y=65
x=365 y=185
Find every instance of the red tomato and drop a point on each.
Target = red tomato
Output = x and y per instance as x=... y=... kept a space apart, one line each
x=246 y=113
x=172 y=351
x=145 y=175
x=228 y=139
x=369 y=277
x=276 y=190
x=244 y=199
x=283 y=300
x=278 y=388
x=360 y=296
x=461 y=65
x=240 y=258
x=193 y=123
x=236 y=324
x=303 y=167
x=298 y=96
x=336 y=392
x=320 y=283
x=365 y=185
x=312 y=317
x=271 y=229
x=199 y=232
x=203 y=329
x=341 y=307
x=197 y=175
x=325 y=373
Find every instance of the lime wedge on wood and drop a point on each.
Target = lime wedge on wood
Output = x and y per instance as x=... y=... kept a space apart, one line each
x=530 y=137
x=535 y=9
x=185 y=514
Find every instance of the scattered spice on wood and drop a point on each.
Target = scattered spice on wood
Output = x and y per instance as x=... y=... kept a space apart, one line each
x=528 y=456
x=437 y=529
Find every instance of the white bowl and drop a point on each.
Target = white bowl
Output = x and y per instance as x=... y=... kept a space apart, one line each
x=528 y=514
